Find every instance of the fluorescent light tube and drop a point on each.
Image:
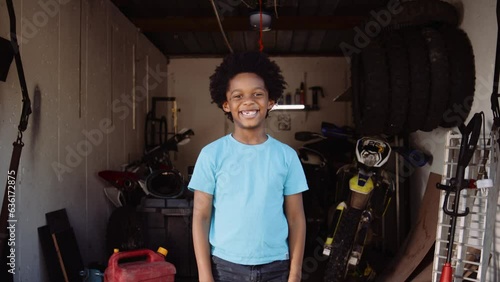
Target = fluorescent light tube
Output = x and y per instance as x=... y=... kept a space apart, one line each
x=288 y=107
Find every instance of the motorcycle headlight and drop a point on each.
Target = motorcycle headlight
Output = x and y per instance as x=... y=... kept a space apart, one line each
x=372 y=152
x=370 y=159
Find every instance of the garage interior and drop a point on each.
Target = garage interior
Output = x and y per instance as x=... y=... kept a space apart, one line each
x=109 y=81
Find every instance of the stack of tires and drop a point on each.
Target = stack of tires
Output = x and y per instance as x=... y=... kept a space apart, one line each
x=417 y=74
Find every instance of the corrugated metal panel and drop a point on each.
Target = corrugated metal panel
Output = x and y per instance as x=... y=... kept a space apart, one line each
x=189 y=28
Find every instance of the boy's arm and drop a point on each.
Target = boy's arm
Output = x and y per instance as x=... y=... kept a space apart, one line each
x=202 y=212
x=294 y=211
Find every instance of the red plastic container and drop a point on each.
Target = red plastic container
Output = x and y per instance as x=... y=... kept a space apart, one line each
x=151 y=268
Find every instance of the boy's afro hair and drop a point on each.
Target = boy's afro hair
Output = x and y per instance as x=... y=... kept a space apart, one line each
x=252 y=62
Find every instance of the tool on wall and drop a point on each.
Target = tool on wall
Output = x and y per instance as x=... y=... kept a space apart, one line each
x=6 y=213
x=470 y=136
x=316 y=91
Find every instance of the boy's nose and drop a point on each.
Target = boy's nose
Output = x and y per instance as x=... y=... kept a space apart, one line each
x=249 y=100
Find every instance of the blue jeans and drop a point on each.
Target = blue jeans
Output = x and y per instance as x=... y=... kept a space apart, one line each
x=225 y=271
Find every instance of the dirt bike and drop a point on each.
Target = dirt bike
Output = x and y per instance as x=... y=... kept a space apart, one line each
x=321 y=157
x=152 y=175
x=365 y=201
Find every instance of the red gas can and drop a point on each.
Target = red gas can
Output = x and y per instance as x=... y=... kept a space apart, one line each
x=150 y=267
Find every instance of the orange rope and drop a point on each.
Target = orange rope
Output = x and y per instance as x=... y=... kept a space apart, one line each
x=261 y=44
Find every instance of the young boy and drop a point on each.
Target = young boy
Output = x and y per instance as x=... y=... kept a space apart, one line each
x=248 y=217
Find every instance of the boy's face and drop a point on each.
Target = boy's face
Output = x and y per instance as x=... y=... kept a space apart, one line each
x=248 y=101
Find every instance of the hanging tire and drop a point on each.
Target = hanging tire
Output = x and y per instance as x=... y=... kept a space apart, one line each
x=462 y=76
x=419 y=67
x=424 y=13
x=399 y=78
x=440 y=79
x=336 y=268
x=370 y=88
x=356 y=88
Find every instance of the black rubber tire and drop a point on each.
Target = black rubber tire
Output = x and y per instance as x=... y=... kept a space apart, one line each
x=424 y=13
x=370 y=86
x=165 y=184
x=440 y=79
x=356 y=88
x=341 y=246
x=399 y=78
x=419 y=78
x=462 y=76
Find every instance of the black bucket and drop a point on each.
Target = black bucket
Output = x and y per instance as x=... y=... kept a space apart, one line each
x=6 y=56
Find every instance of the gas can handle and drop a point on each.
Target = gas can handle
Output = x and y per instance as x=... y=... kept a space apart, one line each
x=116 y=257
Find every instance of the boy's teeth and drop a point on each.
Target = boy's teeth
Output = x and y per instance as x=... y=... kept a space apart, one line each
x=247 y=113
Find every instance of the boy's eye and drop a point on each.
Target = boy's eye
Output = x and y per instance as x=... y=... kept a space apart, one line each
x=259 y=94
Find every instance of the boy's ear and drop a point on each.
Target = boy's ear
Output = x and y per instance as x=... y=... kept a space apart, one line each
x=225 y=107
x=270 y=104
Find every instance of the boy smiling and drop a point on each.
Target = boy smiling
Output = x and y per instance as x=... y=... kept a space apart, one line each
x=248 y=217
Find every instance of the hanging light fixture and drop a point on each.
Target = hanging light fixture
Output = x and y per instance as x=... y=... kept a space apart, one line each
x=287 y=107
x=255 y=20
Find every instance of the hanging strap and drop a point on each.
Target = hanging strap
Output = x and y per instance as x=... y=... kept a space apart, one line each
x=495 y=107
x=26 y=111
x=7 y=216
x=8 y=213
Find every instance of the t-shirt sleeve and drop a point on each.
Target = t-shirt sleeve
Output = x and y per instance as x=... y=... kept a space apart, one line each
x=203 y=178
x=296 y=180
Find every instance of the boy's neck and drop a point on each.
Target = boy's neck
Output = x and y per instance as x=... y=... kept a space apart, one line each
x=250 y=137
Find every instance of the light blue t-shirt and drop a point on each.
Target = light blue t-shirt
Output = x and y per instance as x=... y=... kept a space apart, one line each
x=248 y=184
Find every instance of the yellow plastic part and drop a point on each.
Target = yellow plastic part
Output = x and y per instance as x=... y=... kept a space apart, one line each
x=341 y=206
x=363 y=189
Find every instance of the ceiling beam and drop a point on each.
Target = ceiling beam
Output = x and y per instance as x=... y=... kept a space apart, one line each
x=209 y=24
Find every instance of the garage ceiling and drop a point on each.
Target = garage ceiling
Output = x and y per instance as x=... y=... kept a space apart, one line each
x=189 y=28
